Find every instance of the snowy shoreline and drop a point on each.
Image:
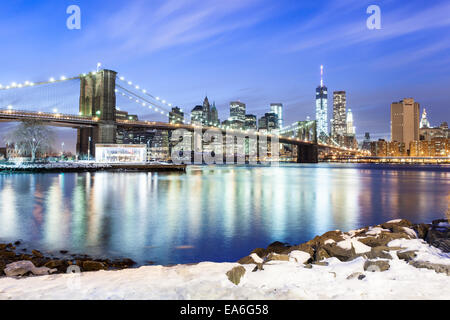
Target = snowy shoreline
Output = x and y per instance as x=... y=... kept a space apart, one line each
x=408 y=267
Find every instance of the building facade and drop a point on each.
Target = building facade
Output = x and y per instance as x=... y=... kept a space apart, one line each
x=322 y=107
x=405 y=118
x=277 y=108
x=339 y=123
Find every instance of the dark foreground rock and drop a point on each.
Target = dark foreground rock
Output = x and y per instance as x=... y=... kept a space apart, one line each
x=13 y=262
x=367 y=242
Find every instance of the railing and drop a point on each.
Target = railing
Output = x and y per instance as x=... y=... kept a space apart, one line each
x=46 y=115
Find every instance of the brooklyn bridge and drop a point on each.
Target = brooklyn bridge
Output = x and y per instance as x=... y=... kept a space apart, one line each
x=98 y=119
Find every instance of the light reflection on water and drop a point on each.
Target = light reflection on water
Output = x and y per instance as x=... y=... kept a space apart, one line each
x=211 y=213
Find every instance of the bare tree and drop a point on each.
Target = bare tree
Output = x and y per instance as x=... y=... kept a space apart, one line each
x=31 y=137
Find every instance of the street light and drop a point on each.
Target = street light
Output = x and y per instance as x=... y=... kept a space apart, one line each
x=89 y=149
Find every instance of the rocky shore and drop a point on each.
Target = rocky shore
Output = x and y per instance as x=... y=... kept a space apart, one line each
x=375 y=244
x=16 y=262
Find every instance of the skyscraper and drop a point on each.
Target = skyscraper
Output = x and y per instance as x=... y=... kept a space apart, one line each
x=339 y=125
x=197 y=115
x=351 y=131
x=322 y=107
x=250 y=122
x=214 y=116
x=206 y=112
x=277 y=108
x=176 y=116
x=237 y=111
x=405 y=118
x=424 y=123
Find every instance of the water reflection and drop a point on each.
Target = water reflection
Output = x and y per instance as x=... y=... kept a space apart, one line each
x=210 y=213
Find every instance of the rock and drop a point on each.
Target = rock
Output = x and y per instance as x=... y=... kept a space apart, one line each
x=340 y=253
x=299 y=256
x=407 y=255
x=261 y=252
x=19 y=268
x=17 y=243
x=63 y=251
x=356 y=275
x=37 y=254
x=251 y=259
x=383 y=239
x=7 y=254
x=93 y=266
x=399 y=223
x=379 y=252
x=258 y=267
x=443 y=244
x=437 y=222
x=302 y=247
x=235 y=274
x=376 y=265
x=319 y=241
x=277 y=247
x=277 y=257
x=421 y=230
x=321 y=263
x=321 y=254
x=43 y=271
x=308 y=266
x=52 y=264
x=439 y=268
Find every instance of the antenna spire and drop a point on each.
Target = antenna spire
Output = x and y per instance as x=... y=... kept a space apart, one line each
x=321 y=76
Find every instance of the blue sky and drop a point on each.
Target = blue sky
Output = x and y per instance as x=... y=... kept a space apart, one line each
x=257 y=51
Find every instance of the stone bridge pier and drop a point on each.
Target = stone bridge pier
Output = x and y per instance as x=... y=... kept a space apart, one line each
x=97 y=99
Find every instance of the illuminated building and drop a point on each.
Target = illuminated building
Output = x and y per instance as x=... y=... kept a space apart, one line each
x=176 y=116
x=405 y=121
x=322 y=107
x=424 y=123
x=339 y=123
x=120 y=153
x=277 y=108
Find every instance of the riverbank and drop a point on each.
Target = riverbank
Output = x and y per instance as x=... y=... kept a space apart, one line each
x=62 y=167
x=394 y=260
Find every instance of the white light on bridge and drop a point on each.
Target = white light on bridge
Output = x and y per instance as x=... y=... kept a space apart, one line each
x=55 y=110
x=63 y=78
x=52 y=80
x=10 y=107
x=122 y=78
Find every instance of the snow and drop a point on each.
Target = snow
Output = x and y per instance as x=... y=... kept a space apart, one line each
x=395 y=221
x=376 y=231
x=359 y=246
x=256 y=258
x=329 y=241
x=410 y=232
x=278 y=280
x=299 y=256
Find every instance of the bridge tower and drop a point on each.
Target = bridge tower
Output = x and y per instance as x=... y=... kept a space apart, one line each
x=97 y=99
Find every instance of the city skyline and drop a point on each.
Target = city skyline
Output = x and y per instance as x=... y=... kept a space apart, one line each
x=227 y=64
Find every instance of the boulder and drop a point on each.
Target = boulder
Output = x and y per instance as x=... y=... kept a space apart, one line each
x=19 y=268
x=302 y=247
x=299 y=257
x=376 y=265
x=379 y=252
x=320 y=263
x=251 y=259
x=93 y=266
x=235 y=274
x=443 y=244
x=321 y=254
x=356 y=275
x=398 y=223
x=308 y=266
x=277 y=247
x=340 y=253
x=439 y=268
x=407 y=255
x=277 y=257
x=421 y=230
x=261 y=252
x=319 y=241
x=37 y=254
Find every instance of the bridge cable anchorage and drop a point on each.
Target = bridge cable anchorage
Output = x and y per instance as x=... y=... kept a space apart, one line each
x=144 y=91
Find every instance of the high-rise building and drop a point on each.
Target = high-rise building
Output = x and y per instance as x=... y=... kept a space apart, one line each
x=197 y=115
x=405 y=118
x=176 y=116
x=424 y=123
x=237 y=111
x=351 y=131
x=206 y=112
x=339 y=124
x=277 y=108
x=250 y=122
x=322 y=107
x=268 y=122
x=214 y=116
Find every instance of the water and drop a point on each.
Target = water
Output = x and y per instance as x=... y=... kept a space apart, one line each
x=211 y=213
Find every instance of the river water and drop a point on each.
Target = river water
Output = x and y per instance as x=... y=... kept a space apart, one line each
x=216 y=213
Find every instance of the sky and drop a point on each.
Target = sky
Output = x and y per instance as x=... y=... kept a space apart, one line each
x=255 y=51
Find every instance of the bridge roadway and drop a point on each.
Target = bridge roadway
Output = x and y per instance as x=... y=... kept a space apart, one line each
x=78 y=121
